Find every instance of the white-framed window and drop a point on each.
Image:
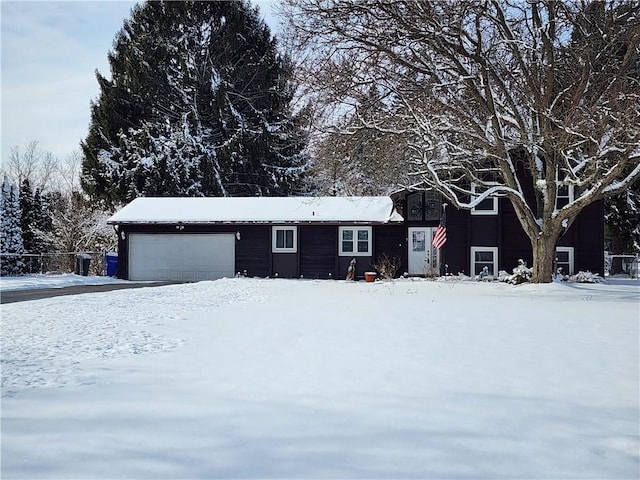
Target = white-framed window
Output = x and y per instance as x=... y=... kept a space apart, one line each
x=489 y=206
x=285 y=239
x=482 y=257
x=564 y=195
x=354 y=241
x=564 y=260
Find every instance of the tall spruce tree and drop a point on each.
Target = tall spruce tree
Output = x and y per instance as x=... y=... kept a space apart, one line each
x=28 y=217
x=35 y=220
x=198 y=104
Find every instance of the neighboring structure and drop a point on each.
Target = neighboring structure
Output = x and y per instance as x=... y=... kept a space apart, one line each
x=207 y=238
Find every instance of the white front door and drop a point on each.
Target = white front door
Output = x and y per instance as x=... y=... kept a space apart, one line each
x=423 y=258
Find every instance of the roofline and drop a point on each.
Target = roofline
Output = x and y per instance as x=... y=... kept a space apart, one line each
x=260 y=222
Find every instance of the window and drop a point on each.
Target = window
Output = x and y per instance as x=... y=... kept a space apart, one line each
x=415 y=207
x=354 y=241
x=564 y=260
x=418 y=241
x=564 y=195
x=482 y=257
x=284 y=239
x=489 y=206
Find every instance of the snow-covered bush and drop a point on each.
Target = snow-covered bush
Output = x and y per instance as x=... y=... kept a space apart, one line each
x=460 y=277
x=584 y=277
x=521 y=274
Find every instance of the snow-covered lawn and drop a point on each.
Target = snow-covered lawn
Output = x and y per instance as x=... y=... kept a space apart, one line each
x=246 y=378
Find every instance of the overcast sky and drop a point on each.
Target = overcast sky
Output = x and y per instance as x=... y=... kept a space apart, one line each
x=50 y=51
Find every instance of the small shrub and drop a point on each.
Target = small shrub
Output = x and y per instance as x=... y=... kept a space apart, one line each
x=521 y=274
x=584 y=277
x=387 y=266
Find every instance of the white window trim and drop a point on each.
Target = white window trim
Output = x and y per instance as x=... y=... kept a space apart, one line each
x=474 y=250
x=355 y=253
x=570 y=251
x=278 y=228
x=493 y=211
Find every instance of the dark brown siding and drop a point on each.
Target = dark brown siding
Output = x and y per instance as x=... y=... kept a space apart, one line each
x=123 y=256
x=391 y=240
x=285 y=265
x=455 y=253
x=589 y=245
x=253 y=250
x=515 y=243
x=318 y=250
x=484 y=230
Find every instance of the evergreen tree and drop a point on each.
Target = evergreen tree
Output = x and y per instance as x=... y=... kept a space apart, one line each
x=198 y=104
x=623 y=222
x=35 y=220
x=43 y=220
x=11 y=246
x=27 y=217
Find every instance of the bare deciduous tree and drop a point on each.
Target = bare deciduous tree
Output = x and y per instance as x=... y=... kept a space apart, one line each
x=31 y=163
x=67 y=178
x=61 y=220
x=485 y=91
x=42 y=169
x=352 y=160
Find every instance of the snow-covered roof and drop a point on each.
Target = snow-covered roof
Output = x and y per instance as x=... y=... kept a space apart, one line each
x=159 y=210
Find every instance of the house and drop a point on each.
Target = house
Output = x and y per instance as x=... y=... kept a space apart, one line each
x=194 y=239
x=190 y=239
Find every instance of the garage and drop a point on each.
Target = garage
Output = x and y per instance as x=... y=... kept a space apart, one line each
x=181 y=257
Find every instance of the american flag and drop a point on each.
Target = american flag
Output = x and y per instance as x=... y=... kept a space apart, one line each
x=440 y=235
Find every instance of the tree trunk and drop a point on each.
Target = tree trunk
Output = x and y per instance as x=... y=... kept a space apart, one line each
x=544 y=255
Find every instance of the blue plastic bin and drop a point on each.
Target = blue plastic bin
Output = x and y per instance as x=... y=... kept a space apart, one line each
x=112 y=263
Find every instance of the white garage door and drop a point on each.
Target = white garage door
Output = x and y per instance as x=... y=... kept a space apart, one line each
x=184 y=257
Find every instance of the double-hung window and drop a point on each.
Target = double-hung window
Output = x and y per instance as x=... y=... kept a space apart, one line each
x=284 y=239
x=564 y=195
x=482 y=257
x=564 y=260
x=488 y=206
x=354 y=241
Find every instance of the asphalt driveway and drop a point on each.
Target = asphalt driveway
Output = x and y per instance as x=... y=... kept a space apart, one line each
x=11 y=296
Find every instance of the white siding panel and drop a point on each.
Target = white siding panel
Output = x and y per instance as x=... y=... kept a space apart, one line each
x=181 y=257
